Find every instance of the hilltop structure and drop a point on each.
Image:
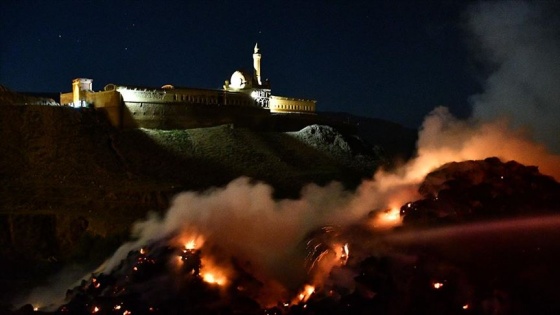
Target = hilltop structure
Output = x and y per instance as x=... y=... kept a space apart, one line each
x=245 y=98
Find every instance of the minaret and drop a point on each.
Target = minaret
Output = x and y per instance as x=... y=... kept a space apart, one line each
x=257 y=64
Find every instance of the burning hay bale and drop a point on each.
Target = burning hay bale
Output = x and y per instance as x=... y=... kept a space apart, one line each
x=154 y=279
x=482 y=189
x=355 y=267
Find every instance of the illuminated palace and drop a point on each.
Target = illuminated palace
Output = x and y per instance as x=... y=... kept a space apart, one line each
x=244 y=99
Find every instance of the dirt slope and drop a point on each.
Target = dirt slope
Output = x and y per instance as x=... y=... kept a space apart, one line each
x=69 y=181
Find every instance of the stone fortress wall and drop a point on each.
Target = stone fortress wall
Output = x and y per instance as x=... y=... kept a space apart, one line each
x=247 y=101
x=279 y=104
x=169 y=108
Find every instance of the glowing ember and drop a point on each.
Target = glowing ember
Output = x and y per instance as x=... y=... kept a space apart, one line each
x=213 y=279
x=95 y=310
x=345 y=254
x=117 y=307
x=392 y=215
x=210 y=272
x=127 y=312
x=213 y=275
x=190 y=245
x=35 y=308
x=142 y=251
x=437 y=285
x=388 y=218
x=466 y=306
x=306 y=293
x=190 y=241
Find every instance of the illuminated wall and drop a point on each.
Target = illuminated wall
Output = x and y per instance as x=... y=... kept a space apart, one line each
x=108 y=102
x=180 y=95
x=244 y=99
x=279 y=104
x=66 y=98
x=184 y=107
x=129 y=106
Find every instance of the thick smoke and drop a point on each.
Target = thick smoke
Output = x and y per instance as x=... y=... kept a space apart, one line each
x=244 y=221
x=443 y=139
x=50 y=296
x=520 y=102
x=521 y=42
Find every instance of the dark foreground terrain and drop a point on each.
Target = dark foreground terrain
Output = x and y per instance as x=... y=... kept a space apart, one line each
x=480 y=239
x=71 y=185
x=484 y=259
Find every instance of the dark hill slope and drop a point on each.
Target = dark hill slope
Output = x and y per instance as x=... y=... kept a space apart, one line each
x=14 y=98
x=68 y=179
x=398 y=142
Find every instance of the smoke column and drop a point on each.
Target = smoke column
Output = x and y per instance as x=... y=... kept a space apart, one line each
x=515 y=118
x=520 y=42
x=521 y=100
x=443 y=139
x=243 y=220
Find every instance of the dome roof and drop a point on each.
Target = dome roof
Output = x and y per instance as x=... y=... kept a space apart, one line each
x=241 y=80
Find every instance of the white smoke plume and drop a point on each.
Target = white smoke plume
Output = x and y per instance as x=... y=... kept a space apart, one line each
x=244 y=221
x=50 y=296
x=443 y=139
x=521 y=100
x=520 y=41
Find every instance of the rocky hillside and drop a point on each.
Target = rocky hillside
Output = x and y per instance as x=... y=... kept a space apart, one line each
x=71 y=185
x=466 y=265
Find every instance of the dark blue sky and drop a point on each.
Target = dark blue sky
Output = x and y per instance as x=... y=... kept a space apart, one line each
x=395 y=60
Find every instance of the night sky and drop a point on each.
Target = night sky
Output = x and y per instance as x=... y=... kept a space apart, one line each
x=394 y=60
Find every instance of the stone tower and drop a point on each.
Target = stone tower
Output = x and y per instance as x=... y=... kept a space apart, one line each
x=79 y=88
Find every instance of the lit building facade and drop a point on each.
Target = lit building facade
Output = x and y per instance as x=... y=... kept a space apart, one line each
x=245 y=96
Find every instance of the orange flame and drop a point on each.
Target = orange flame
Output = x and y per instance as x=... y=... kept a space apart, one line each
x=213 y=274
x=306 y=293
x=190 y=241
x=190 y=245
x=213 y=279
x=388 y=218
